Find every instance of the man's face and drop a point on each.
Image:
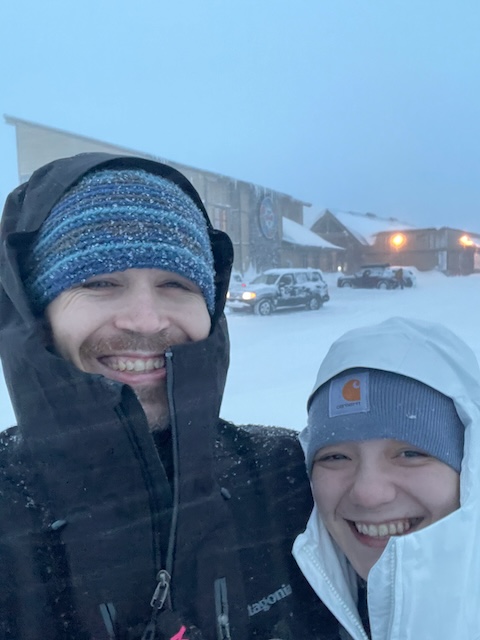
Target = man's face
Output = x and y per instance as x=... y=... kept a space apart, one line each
x=120 y=325
x=367 y=492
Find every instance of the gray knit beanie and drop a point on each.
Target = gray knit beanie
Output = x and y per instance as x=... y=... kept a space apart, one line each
x=368 y=404
x=118 y=219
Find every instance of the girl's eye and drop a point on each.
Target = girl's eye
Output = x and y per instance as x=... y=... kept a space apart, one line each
x=413 y=454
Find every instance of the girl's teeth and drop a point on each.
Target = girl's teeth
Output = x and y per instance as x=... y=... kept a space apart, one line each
x=382 y=530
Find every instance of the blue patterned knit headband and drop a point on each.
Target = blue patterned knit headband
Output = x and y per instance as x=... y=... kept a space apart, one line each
x=118 y=219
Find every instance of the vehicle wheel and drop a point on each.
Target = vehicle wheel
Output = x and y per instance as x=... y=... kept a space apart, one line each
x=314 y=303
x=382 y=285
x=408 y=283
x=263 y=308
x=346 y=284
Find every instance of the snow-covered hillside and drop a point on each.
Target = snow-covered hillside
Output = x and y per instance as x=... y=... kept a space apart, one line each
x=275 y=359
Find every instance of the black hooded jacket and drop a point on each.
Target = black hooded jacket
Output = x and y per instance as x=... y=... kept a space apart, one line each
x=93 y=511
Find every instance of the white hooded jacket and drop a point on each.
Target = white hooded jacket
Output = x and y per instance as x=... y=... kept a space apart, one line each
x=426 y=585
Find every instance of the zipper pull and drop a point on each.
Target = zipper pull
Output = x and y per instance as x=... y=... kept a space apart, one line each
x=161 y=590
x=157 y=602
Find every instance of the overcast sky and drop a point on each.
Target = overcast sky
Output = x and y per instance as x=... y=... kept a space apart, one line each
x=366 y=105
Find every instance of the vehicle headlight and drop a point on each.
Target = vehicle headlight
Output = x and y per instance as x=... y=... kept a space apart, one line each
x=248 y=295
x=228 y=295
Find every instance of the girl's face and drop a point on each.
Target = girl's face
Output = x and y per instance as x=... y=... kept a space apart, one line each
x=368 y=491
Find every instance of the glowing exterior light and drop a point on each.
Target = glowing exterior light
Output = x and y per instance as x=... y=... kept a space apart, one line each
x=398 y=240
x=466 y=241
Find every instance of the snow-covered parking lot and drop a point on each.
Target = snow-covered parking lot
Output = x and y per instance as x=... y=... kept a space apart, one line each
x=275 y=359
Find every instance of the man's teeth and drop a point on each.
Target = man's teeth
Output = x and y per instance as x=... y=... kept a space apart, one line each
x=382 y=530
x=138 y=364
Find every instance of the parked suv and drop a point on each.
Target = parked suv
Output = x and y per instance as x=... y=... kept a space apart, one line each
x=280 y=288
x=370 y=276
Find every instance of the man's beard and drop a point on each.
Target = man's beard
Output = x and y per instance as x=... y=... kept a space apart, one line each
x=153 y=398
x=154 y=401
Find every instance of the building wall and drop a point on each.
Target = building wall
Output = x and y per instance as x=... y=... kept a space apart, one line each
x=249 y=213
x=428 y=249
x=37 y=146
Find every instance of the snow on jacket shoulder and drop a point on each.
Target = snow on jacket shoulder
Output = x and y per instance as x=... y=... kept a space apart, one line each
x=426 y=584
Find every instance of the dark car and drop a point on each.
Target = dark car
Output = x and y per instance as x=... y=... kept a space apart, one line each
x=280 y=288
x=379 y=276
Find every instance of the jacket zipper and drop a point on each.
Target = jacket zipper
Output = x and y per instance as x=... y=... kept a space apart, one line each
x=176 y=473
x=162 y=593
x=162 y=596
x=168 y=565
x=152 y=496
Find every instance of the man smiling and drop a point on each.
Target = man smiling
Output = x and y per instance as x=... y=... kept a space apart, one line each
x=124 y=495
x=384 y=448
x=121 y=324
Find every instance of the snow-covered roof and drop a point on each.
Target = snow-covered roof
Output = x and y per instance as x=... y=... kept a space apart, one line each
x=363 y=226
x=298 y=234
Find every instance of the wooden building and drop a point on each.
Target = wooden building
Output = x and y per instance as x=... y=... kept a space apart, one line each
x=453 y=251
x=251 y=214
x=368 y=238
x=355 y=232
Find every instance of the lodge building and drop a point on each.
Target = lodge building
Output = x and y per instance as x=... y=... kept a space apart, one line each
x=252 y=215
x=273 y=229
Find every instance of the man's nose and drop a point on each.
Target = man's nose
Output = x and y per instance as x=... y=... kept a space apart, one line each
x=142 y=311
x=372 y=487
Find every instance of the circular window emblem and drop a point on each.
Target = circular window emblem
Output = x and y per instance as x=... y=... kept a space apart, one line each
x=268 y=218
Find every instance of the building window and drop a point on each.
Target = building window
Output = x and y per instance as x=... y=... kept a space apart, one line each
x=220 y=218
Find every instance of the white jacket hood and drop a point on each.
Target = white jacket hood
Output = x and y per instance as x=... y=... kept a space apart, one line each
x=426 y=584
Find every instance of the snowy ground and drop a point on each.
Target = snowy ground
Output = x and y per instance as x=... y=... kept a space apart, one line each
x=275 y=359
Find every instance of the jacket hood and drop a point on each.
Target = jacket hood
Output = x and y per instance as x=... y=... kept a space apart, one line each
x=25 y=210
x=425 y=585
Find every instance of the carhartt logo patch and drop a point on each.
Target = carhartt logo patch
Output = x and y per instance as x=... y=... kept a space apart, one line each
x=349 y=394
